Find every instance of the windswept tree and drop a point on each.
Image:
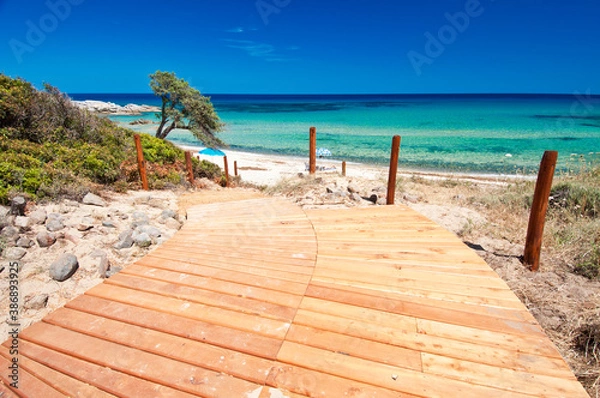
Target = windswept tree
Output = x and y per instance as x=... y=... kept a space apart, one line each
x=183 y=107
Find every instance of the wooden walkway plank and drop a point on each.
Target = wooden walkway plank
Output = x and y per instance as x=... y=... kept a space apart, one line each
x=66 y=385
x=260 y=299
x=230 y=338
x=150 y=367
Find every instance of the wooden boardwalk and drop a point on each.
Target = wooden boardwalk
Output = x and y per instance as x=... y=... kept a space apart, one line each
x=260 y=299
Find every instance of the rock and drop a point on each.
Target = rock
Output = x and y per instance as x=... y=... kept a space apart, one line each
x=93 y=200
x=38 y=217
x=17 y=206
x=373 y=198
x=22 y=222
x=64 y=267
x=108 y=224
x=143 y=240
x=158 y=203
x=382 y=190
x=331 y=189
x=54 y=222
x=352 y=188
x=6 y=221
x=382 y=201
x=125 y=240
x=113 y=270
x=103 y=263
x=10 y=233
x=45 y=239
x=86 y=224
x=36 y=302
x=25 y=242
x=4 y=211
x=72 y=236
x=14 y=253
x=172 y=223
x=153 y=232
x=139 y=218
x=166 y=214
x=140 y=122
x=356 y=197
x=410 y=198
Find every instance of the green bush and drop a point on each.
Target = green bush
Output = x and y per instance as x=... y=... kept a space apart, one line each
x=51 y=148
x=578 y=198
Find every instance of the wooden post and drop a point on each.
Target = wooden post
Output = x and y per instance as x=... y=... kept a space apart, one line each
x=226 y=171
x=537 y=218
x=141 y=161
x=391 y=193
x=190 y=169
x=313 y=150
x=235 y=170
x=344 y=168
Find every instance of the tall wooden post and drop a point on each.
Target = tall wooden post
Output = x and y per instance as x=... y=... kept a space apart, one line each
x=313 y=150
x=235 y=170
x=226 y=171
x=391 y=192
x=190 y=169
x=141 y=161
x=344 y=168
x=539 y=207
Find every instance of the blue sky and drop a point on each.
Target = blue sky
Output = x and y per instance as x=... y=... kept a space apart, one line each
x=306 y=46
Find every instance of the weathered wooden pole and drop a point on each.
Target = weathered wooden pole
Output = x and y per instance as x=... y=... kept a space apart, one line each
x=391 y=192
x=344 y=168
x=235 y=170
x=190 y=169
x=226 y=171
x=141 y=161
x=537 y=218
x=313 y=150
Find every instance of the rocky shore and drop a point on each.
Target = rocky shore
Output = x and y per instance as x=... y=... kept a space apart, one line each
x=110 y=108
x=65 y=248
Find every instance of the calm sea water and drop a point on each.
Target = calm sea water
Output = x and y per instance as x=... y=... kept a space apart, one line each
x=469 y=133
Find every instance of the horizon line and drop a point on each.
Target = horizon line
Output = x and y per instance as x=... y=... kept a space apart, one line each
x=350 y=94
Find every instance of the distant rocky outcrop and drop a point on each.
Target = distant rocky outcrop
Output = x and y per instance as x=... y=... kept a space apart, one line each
x=114 y=109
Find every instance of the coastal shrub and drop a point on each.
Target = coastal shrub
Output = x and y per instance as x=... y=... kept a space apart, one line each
x=51 y=148
x=579 y=198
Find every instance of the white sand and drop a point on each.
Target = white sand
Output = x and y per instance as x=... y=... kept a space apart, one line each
x=268 y=170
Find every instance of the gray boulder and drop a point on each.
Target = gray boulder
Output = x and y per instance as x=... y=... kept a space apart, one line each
x=108 y=224
x=352 y=188
x=139 y=218
x=24 y=223
x=14 y=253
x=125 y=240
x=10 y=233
x=4 y=211
x=17 y=206
x=356 y=197
x=153 y=232
x=38 y=217
x=54 y=222
x=172 y=223
x=113 y=270
x=64 y=267
x=142 y=240
x=166 y=214
x=93 y=200
x=25 y=242
x=45 y=239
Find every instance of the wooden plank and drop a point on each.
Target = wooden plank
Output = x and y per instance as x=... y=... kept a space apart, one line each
x=184 y=350
x=319 y=384
x=151 y=367
x=502 y=309
x=217 y=316
x=224 y=274
x=321 y=297
x=382 y=375
x=63 y=383
x=29 y=385
x=102 y=377
x=505 y=379
x=355 y=347
x=234 y=339
x=6 y=392
x=205 y=297
x=215 y=285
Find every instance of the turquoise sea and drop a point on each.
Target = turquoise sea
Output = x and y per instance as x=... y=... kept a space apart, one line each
x=465 y=133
